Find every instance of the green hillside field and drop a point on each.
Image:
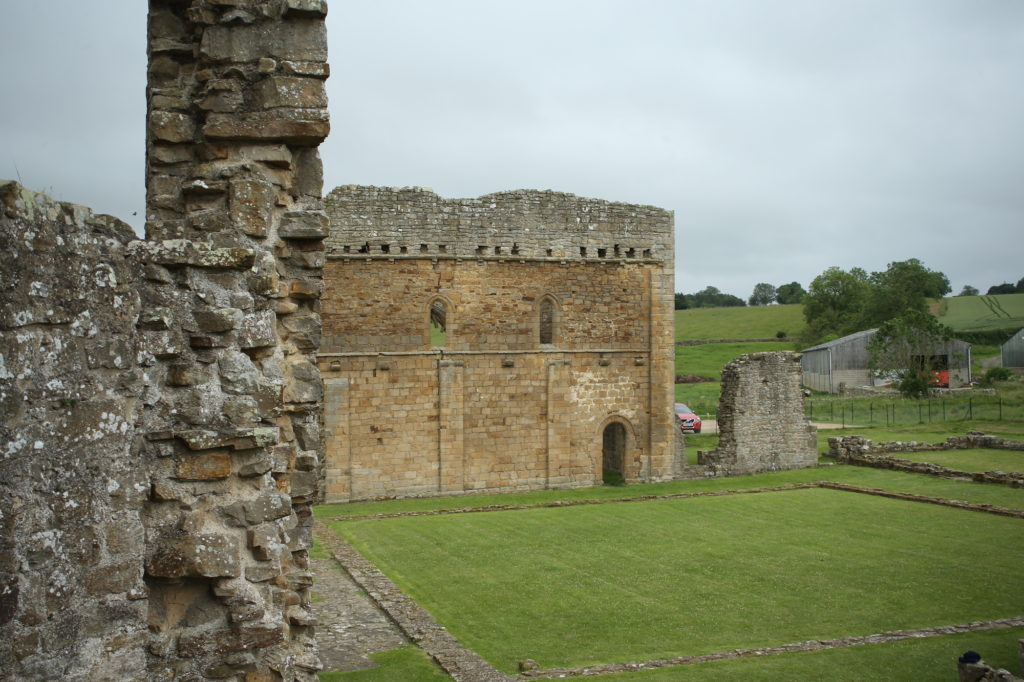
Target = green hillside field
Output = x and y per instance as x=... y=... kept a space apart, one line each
x=977 y=313
x=757 y=322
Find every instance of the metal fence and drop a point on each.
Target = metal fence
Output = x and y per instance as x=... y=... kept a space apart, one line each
x=869 y=412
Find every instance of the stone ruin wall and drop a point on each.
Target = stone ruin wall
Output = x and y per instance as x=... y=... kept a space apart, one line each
x=761 y=421
x=860 y=451
x=495 y=409
x=72 y=593
x=161 y=401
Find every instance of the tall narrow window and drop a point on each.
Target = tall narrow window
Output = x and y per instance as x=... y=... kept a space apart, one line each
x=547 y=321
x=438 y=324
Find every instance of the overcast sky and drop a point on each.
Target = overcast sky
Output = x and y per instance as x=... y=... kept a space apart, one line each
x=787 y=136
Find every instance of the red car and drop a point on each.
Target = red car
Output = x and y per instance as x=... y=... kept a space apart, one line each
x=688 y=420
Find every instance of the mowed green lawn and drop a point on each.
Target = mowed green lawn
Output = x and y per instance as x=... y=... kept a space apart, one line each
x=970 y=460
x=637 y=581
x=921 y=660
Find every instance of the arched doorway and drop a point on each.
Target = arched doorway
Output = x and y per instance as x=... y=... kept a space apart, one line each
x=613 y=454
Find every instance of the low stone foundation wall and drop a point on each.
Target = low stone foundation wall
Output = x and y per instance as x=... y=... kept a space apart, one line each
x=860 y=451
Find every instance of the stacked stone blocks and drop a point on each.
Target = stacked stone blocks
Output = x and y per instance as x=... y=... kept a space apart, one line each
x=71 y=391
x=161 y=398
x=761 y=418
x=237 y=107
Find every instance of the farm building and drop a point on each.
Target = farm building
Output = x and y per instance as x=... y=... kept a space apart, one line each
x=843 y=363
x=1013 y=350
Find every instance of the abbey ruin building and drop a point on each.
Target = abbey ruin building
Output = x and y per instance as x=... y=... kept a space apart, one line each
x=555 y=366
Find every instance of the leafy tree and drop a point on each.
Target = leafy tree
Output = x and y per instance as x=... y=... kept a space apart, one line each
x=902 y=286
x=968 y=290
x=763 y=294
x=840 y=302
x=711 y=297
x=706 y=297
x=682 y=301
x=835 y=302
x=904 y=348
x=1007 y=288
x=790 y=293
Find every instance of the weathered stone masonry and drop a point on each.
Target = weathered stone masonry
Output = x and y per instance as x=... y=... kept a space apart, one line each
x=559 y=323
x=161 y=403
x=761 y=418
x=72 y=548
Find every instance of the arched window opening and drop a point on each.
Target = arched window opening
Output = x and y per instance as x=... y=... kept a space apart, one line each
x=613 y=454
x=438 y=324
x=547 y=321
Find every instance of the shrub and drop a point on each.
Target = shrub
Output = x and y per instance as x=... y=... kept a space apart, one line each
x=781 y=334
x=996 y=374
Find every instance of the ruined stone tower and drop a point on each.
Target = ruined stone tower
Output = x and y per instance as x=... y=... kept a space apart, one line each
x=160 y=400
x=555 y=367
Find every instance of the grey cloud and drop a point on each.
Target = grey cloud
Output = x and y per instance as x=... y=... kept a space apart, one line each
x=786 y=136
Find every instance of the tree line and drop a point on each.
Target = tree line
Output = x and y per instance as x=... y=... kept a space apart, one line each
x=1004 y=288
x=836 y=279
x=763 y=294
x=840 y=302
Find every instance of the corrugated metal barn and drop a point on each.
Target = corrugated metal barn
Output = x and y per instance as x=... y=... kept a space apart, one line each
x=844 y=362
x=1013 y=350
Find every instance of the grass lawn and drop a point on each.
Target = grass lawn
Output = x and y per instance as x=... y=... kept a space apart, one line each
x=970 y=460
x=920 y=660
x=757 y=322
x=589 y=584
x=870 y=478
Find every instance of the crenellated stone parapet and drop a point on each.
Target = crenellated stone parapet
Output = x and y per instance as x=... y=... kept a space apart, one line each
x=527 y=225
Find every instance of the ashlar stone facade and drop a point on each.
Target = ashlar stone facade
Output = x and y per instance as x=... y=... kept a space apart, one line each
x=555 y=367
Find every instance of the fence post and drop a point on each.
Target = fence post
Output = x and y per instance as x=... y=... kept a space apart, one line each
x=970 y=407
x=920 y=419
